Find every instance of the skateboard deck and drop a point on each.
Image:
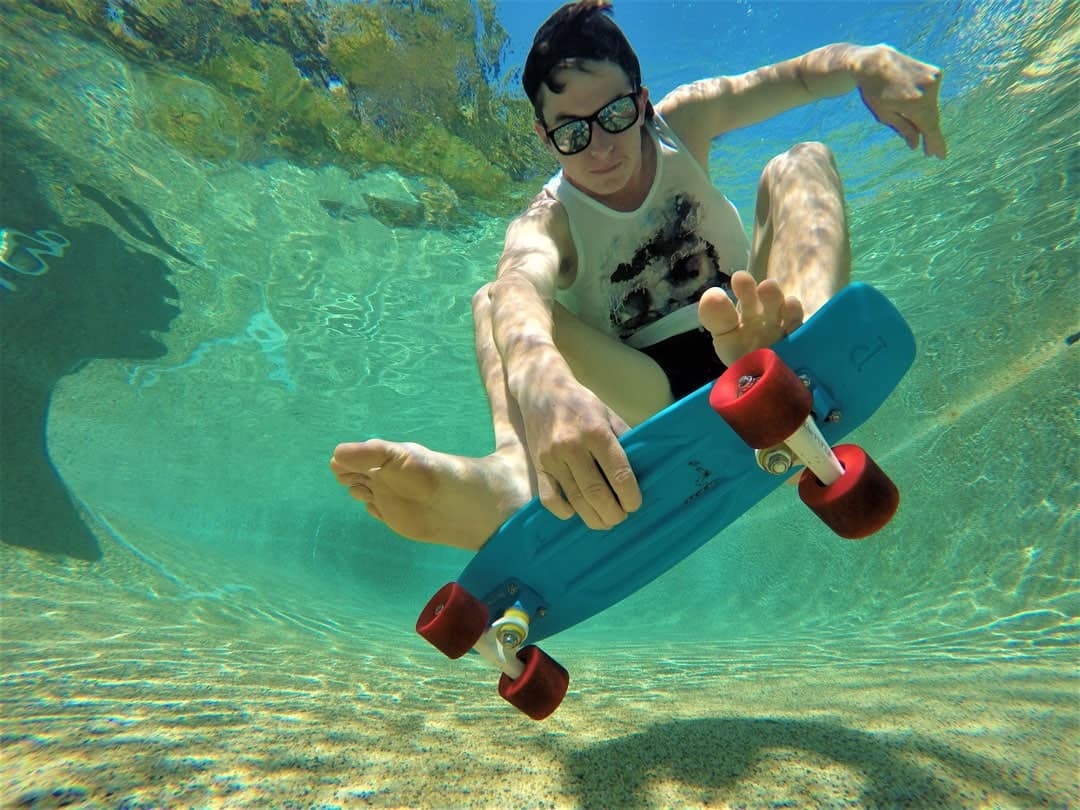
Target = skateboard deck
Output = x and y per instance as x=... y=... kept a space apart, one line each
x=696 y=476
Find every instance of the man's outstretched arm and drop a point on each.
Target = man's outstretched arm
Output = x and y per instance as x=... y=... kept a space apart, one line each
x=572 y=436
x=901 y=92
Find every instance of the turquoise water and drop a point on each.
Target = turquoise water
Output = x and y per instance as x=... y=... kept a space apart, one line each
x=185 y=339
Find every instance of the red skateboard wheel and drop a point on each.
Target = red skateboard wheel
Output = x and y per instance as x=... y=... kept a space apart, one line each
x=540 y=689
x=770 y=404
x=453 y=620
x=858 y=503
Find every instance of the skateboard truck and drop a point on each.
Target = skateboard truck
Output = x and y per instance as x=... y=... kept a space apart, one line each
x=513 y=627
x=769 y=406
x=455 y=621
x=805 y=446
x=504 y=636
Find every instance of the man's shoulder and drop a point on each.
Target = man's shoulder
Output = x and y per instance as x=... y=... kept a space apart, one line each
x=543 y=222
x=689 y=111
x=544 y=204
x=545 y=216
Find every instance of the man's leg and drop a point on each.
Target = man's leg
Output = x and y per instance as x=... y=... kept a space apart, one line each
x=439 y=498
x=800 y=226
x=628 y=381
x=800 y=250
x=436 y=497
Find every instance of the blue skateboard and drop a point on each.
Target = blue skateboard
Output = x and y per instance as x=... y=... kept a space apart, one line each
x=539 y=575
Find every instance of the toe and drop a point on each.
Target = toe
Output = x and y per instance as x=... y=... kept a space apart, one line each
x=745 y=289
x=792 y=314
x=360 y=492
x=361 y=456
x=772 y=301
x=350 y=479
x=717 y=313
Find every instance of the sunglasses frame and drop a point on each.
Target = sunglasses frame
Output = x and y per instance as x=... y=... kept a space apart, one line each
x=589 y=120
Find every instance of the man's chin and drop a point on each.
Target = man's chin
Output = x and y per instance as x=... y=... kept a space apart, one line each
x=604 y=186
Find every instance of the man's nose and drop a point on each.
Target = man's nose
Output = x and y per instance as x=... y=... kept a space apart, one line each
x=601 y=141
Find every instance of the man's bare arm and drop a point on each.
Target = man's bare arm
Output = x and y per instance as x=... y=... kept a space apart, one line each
x=572 y=435
x=901 y=92
x=523 y=296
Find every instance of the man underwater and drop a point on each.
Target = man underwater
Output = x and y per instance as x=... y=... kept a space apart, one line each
x=629 y=282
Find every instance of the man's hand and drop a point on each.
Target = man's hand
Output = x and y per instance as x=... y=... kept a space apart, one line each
x=902 y=93
x=580 y=465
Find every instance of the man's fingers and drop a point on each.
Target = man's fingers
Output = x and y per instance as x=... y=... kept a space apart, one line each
x=922 y=120
x=579 y=485
x=934 y=141
x=904 y=128
x=551 y=496
x=616 y=469
x=618 y=426
x=591 y=494
x=611 y=458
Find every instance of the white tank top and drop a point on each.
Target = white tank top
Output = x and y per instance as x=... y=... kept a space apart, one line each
x=640 y=273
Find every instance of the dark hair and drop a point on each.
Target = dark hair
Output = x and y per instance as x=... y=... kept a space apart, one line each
x=579 y=31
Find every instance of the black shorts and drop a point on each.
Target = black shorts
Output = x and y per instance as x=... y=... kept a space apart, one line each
x=688 y=360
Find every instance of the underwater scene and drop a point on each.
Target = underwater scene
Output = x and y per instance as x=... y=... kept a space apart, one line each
x=234 y=234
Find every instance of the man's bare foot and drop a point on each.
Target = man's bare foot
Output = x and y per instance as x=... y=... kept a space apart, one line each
x=762 y=316
x=429 y=496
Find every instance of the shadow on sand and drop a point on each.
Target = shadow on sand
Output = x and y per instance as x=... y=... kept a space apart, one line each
x=715 y=754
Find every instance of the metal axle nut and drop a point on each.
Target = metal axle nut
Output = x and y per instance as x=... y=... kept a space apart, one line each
x=775 y=460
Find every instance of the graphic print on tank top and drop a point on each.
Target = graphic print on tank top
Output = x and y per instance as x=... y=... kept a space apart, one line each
x=668 y=271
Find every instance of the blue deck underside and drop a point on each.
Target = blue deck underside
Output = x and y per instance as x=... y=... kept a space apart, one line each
x=696 y=476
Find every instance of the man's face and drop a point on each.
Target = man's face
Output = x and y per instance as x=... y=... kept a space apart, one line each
x=610 y=162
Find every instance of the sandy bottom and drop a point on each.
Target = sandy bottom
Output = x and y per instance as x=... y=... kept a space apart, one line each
x=116 y=697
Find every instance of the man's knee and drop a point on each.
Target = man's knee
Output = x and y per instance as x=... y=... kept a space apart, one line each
x=815 y=150
x=809 y=165
x=481 y=300
x=802 y=157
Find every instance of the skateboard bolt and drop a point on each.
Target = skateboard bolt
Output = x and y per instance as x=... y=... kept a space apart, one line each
x=746 y=382
x=777 y=462
x=512 y=588
x=511 y=638
x=805 y=380
x=834 y=416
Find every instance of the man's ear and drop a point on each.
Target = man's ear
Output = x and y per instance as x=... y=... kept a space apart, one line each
x=643 y=94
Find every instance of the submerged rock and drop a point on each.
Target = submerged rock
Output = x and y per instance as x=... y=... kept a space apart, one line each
x=395 y=213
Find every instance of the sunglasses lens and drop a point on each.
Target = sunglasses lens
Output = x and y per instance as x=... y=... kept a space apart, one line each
x=571 y=138
x=619 y=115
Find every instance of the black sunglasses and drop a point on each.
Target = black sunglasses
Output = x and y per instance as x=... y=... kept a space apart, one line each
x=614 y=117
